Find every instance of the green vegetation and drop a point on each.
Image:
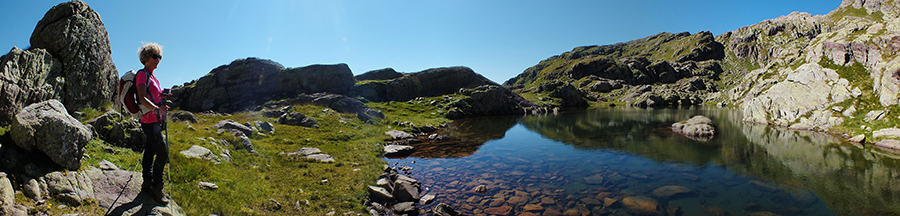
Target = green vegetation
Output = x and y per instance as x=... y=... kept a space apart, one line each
x=859 y=77
x=249 y=183
x=842 y=12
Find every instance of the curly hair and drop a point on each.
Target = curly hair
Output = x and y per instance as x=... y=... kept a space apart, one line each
x=147 y=50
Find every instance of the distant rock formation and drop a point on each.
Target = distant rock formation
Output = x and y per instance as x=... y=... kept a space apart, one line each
x=251 y=81
x=380 y=74
x=686 y=65
x=427 y=83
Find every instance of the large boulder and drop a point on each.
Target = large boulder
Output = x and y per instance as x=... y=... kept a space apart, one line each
x=74 y=33
x=74 y=188
x=427 y=83
x=47 y=127
x=27 y=77
x=698 y=127
x=251 y=81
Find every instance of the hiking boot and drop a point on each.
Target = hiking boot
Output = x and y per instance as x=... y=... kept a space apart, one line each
x=146 y=186
x=158 y=195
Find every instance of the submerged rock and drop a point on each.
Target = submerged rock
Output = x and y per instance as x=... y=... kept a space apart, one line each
x=640 y=205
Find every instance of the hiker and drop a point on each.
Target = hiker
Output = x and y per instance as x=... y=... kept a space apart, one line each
x=150 y=96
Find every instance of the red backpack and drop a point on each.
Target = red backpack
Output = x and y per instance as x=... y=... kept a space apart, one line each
x=128 y=98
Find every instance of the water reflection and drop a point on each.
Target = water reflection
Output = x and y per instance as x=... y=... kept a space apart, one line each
x=591 y=163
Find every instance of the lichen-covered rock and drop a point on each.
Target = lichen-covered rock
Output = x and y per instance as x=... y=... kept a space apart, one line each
x=200 y=152
x=697 y=126
x=71 y=187
x=119 y=130
x=74 y=33
x=811 y=87
x=27 y=77
x=248 y=82
x=47 y=127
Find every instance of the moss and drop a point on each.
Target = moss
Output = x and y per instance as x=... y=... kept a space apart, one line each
x=842 y=12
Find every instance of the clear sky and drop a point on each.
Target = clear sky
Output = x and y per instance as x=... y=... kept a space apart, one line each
x=496 y=38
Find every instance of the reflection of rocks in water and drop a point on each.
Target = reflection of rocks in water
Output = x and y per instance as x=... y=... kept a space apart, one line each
x=461 y=138
x=851 y=179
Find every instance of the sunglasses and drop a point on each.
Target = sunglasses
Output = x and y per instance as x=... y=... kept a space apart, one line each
x=156 y=56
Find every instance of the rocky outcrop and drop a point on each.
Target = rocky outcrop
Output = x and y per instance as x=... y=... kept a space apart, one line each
x=685 y=64
x=337 y=102
x=48 y=128
x=488 y=100
x=27 y=77
x=119 y=130
x=380 y=74
x=74 y=33
x=427 y=83
x=250 y=82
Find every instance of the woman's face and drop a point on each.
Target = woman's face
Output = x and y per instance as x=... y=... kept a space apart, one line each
x=153 y=61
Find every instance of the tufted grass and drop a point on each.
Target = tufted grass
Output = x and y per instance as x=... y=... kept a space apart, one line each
x=252 y=184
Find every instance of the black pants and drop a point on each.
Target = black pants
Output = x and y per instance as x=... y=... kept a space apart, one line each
x=155 y=146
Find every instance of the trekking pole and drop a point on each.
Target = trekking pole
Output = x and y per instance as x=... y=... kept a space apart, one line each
x=113 y=204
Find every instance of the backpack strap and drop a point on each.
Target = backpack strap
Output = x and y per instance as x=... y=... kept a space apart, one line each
x=147 y=84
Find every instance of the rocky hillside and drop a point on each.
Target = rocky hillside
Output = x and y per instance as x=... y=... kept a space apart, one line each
x=836 y=72
x=660 y=70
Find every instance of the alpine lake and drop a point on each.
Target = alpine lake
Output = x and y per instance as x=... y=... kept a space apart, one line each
x=624 y=161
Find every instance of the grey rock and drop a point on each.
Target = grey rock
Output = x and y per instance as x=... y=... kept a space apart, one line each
x=249 y=82
x=207 y=185
x=488 y=100
x=7 y=194
x=385 y=183
x=126 y=186
x=697 y=126
x=48 y=128
x=398 y=150
x=889 y=144
x=200 y=152
x=32 y=189
x=398 y=135
x=427 y=199
x=380 y=194
x=886 y=133
x=443 y=209
x=340 y=103
x=231 y=124
x=106 y=165
x=427 y=83
x=380 y=74
x=297 y=119
x=246 y=144
x=405 y=207
x=70 y=187
x=265 y=126
x=304 y=152
x=874 y=115
x=27 y=77
x=75 y=34
x=184 y=116
x=570 y=95
x=322 y=158
x=858 y=138
x=119 y=130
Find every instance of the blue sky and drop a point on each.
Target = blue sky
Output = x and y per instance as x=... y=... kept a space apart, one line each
x=498 y=39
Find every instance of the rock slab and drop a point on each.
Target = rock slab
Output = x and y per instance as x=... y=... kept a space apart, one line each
x=48 y=127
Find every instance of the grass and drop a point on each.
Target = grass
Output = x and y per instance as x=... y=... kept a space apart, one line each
x=250 y=183
x=859 y=77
